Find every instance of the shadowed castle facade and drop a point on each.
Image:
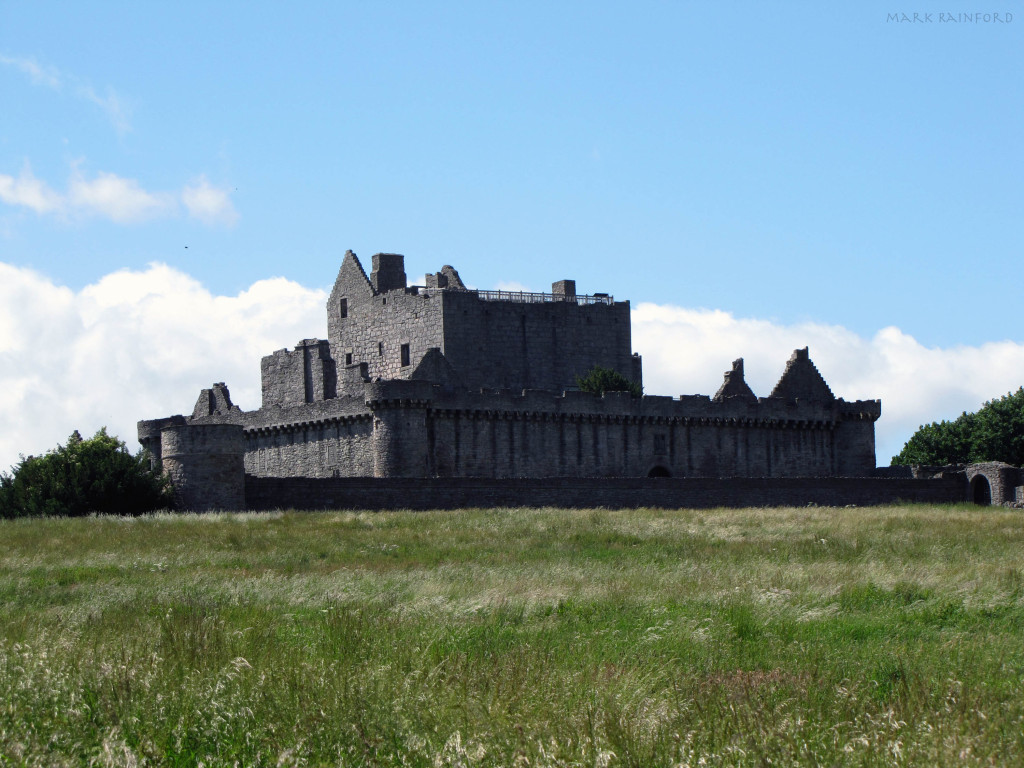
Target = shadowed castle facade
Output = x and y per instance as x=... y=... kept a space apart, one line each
x=441 y=381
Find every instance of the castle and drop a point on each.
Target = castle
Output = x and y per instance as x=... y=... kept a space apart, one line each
x=445 y=387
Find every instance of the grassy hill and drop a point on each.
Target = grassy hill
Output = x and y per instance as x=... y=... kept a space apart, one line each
x=817 y=636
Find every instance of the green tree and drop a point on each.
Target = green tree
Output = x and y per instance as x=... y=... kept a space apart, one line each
x=600 y=380
x=994 y=433
x=999 y=430
x=83 y=476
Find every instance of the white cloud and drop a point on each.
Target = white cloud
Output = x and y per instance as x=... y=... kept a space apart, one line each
x=141 y=344
x=134 y=345
x=50 y=77
x=210 y=204
x=117 y=198
x=29 y=192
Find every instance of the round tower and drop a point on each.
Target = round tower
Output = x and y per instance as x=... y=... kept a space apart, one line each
x=205 y=463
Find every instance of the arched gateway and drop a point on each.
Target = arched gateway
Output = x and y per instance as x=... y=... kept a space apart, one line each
x=981 y=490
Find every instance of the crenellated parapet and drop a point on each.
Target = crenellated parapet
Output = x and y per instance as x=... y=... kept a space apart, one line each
x=397 y=394
x=768 y=411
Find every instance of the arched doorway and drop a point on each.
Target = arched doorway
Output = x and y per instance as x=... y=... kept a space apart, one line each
x=981 y=490
x=659 y=471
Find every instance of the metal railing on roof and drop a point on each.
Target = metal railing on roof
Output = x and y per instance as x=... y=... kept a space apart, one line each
x=527 y=297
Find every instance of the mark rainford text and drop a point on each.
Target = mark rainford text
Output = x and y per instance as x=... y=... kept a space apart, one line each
x=975 y=17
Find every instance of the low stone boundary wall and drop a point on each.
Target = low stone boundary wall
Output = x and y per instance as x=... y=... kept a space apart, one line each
x=452 y=493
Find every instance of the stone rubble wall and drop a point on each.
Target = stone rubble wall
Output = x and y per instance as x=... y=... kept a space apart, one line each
x=670 y=493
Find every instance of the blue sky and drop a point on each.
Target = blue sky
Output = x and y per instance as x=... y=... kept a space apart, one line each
x=793 y=166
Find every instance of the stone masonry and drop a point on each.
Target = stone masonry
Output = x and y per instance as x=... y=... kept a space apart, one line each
x=441 y=381
x=487 y=339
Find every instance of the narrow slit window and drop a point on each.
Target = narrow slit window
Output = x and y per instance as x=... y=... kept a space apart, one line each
x=405 y=355
x=343 y=308
x=380 y=348
x=348 y=358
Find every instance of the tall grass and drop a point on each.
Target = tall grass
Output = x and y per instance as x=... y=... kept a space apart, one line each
x=878 y=636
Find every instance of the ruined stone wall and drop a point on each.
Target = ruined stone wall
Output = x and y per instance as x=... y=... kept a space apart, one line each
x=490 y=443
x=854 y=445
x=306 y=374
x=415 y=429
x=412 y=428
x=1002 y=483
x=580 y=434
x=518 y=345
x=150 y=431
x=319 y=439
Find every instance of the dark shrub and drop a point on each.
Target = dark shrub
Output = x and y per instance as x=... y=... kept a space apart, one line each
x=83 y=476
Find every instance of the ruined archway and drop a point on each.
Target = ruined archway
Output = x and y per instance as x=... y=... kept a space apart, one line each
x=659 y=471
x=981 y=490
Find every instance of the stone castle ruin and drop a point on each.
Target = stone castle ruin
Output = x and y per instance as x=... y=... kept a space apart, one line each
x=440 y=395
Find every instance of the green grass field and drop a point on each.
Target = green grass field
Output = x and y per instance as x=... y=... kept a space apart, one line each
x=516 y=637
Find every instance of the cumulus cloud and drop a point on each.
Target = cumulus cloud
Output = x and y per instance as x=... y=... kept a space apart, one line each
x=210 y=204
x=133 y=345
x=117 y=198
x=112 y=105
x=141 y=344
